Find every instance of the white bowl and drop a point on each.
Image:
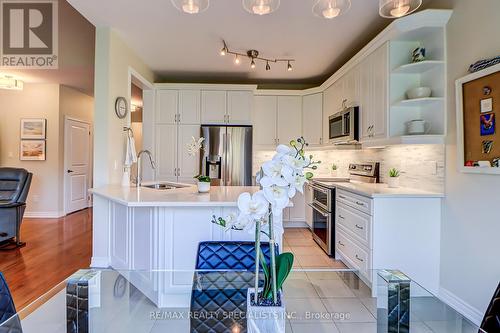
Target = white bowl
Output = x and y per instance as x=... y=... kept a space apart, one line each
x=419 y=92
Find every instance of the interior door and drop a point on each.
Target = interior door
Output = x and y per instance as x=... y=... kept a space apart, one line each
x=77 y=164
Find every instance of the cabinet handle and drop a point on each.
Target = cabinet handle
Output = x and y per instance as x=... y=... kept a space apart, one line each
x=340 y=216
x=357 y=257
x=320 y=141
x=359 y=227
x=340 y=243
x=341 y=197
x=178 y=171
x=360 y=203
x=179 y=118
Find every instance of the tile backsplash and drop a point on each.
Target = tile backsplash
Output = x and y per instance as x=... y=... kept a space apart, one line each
x=422 y=166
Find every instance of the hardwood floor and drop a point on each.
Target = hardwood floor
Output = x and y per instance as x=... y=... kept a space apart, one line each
x=55 y=249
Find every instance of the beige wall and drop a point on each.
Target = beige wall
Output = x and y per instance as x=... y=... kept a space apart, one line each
x=113 y=61
x=470 y=267
x=35 y=101
x=52 y=102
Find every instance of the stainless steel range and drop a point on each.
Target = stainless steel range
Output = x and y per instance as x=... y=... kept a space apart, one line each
x=321 y=203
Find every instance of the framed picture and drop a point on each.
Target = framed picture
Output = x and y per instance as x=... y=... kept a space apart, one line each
x=33 y=129
x=32 y=150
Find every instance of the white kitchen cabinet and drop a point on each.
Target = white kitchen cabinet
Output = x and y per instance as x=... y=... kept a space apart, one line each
x=373 y=79
x=332 y=103
x=239 y=107
x=312 y=118
x=350 y=83
x=264 y=120
x=187 y=166
x=213 y=107
x=166 y=152
x=289 y=118
x=298 y=211
x=189 y=107
x=167 y=102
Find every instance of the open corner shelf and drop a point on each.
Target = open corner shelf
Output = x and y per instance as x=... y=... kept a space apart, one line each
x=417 y=102
x=418 y=67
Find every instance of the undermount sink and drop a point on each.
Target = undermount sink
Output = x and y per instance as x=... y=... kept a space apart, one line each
x=164 y=186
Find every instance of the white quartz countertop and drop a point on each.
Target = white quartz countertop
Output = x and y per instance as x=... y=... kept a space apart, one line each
x=219 y=196
x=379 y=190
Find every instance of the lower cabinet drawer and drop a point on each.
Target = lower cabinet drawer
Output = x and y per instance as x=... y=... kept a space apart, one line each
x=356 y=201
x=357 y=257
x=355 y=221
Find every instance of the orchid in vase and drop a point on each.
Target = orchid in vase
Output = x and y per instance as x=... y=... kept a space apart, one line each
x=280 y=180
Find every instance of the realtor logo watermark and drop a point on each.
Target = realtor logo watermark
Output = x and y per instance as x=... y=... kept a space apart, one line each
x=29 y=34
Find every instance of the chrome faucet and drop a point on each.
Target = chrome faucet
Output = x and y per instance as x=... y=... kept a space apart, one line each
x=139 y=165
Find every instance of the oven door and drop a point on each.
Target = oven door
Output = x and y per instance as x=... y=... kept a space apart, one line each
x=322 y=228
x=322 y=197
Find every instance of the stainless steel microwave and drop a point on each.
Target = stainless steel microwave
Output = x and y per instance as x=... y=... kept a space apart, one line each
x=344 y=126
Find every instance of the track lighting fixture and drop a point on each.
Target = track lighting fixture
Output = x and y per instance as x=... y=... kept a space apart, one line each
x=253 y=55
x=398 y=8
x=191 y=6
x=261 y=7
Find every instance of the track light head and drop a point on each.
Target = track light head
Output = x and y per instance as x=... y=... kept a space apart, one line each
x=252 y=64
x=289 y=67
x=237 y=60
x=268 y=67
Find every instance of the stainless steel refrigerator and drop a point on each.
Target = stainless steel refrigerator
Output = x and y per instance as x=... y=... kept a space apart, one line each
x=227 y=157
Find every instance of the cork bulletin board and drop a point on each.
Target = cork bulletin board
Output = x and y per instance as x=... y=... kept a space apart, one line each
x=480 y=115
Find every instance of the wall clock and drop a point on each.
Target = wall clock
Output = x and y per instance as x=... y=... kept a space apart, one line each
x=121 y=107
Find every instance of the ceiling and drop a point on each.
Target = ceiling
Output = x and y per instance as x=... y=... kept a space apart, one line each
x=180 y=47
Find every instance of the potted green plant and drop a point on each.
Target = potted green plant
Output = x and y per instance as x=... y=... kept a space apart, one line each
x=393 y=180
x=203 y=183
x=334 y=170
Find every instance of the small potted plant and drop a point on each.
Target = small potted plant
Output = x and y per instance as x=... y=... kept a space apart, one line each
x=393 y=180
x=334 y=170
x=203 y=183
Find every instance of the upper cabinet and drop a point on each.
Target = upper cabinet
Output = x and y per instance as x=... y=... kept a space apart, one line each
x=213 y=107
x=189 y=106
x=239 y=107
x=167 y=102
x=264 y=120
x=289 y=118
x=312 y=118
x=373 y=79
x=226 y=107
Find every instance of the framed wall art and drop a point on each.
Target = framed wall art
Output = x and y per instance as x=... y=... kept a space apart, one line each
x=478 y=108
x=33 y=129
x=32 y=150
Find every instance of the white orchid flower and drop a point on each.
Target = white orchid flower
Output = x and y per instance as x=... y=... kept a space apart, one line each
x=195 y=146
x=297 y=163
x=278 y=197
x=296 y=184
x=282 y=151
x=275 y=173
x=253 y=206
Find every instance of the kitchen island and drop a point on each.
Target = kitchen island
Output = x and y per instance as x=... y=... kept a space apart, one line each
x=146 y=229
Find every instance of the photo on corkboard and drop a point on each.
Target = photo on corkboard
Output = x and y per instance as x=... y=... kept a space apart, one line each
x=487 y=124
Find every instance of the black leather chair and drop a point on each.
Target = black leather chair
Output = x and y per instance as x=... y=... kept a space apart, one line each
x=491 y=320
x=14 y=187
x=9 y=322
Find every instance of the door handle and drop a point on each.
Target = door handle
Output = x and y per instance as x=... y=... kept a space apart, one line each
x=359 y=227
x=70 y=171
x=357 y=257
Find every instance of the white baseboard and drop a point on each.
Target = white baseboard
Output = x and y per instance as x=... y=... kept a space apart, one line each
x=99 y=262
x=461 y=306
x=44 y=215
x=295 y=224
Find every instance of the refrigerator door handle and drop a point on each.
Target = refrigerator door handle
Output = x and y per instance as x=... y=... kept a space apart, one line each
x=229 y=158
x=223 y=160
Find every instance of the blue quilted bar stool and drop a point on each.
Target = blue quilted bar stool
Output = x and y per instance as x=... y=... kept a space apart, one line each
x=8 y=323
x=225 y=271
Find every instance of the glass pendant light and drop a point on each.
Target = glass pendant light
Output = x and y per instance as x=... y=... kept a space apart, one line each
x=191 y=6
x=398 y=8
x=330 y=9
x=261 y=7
